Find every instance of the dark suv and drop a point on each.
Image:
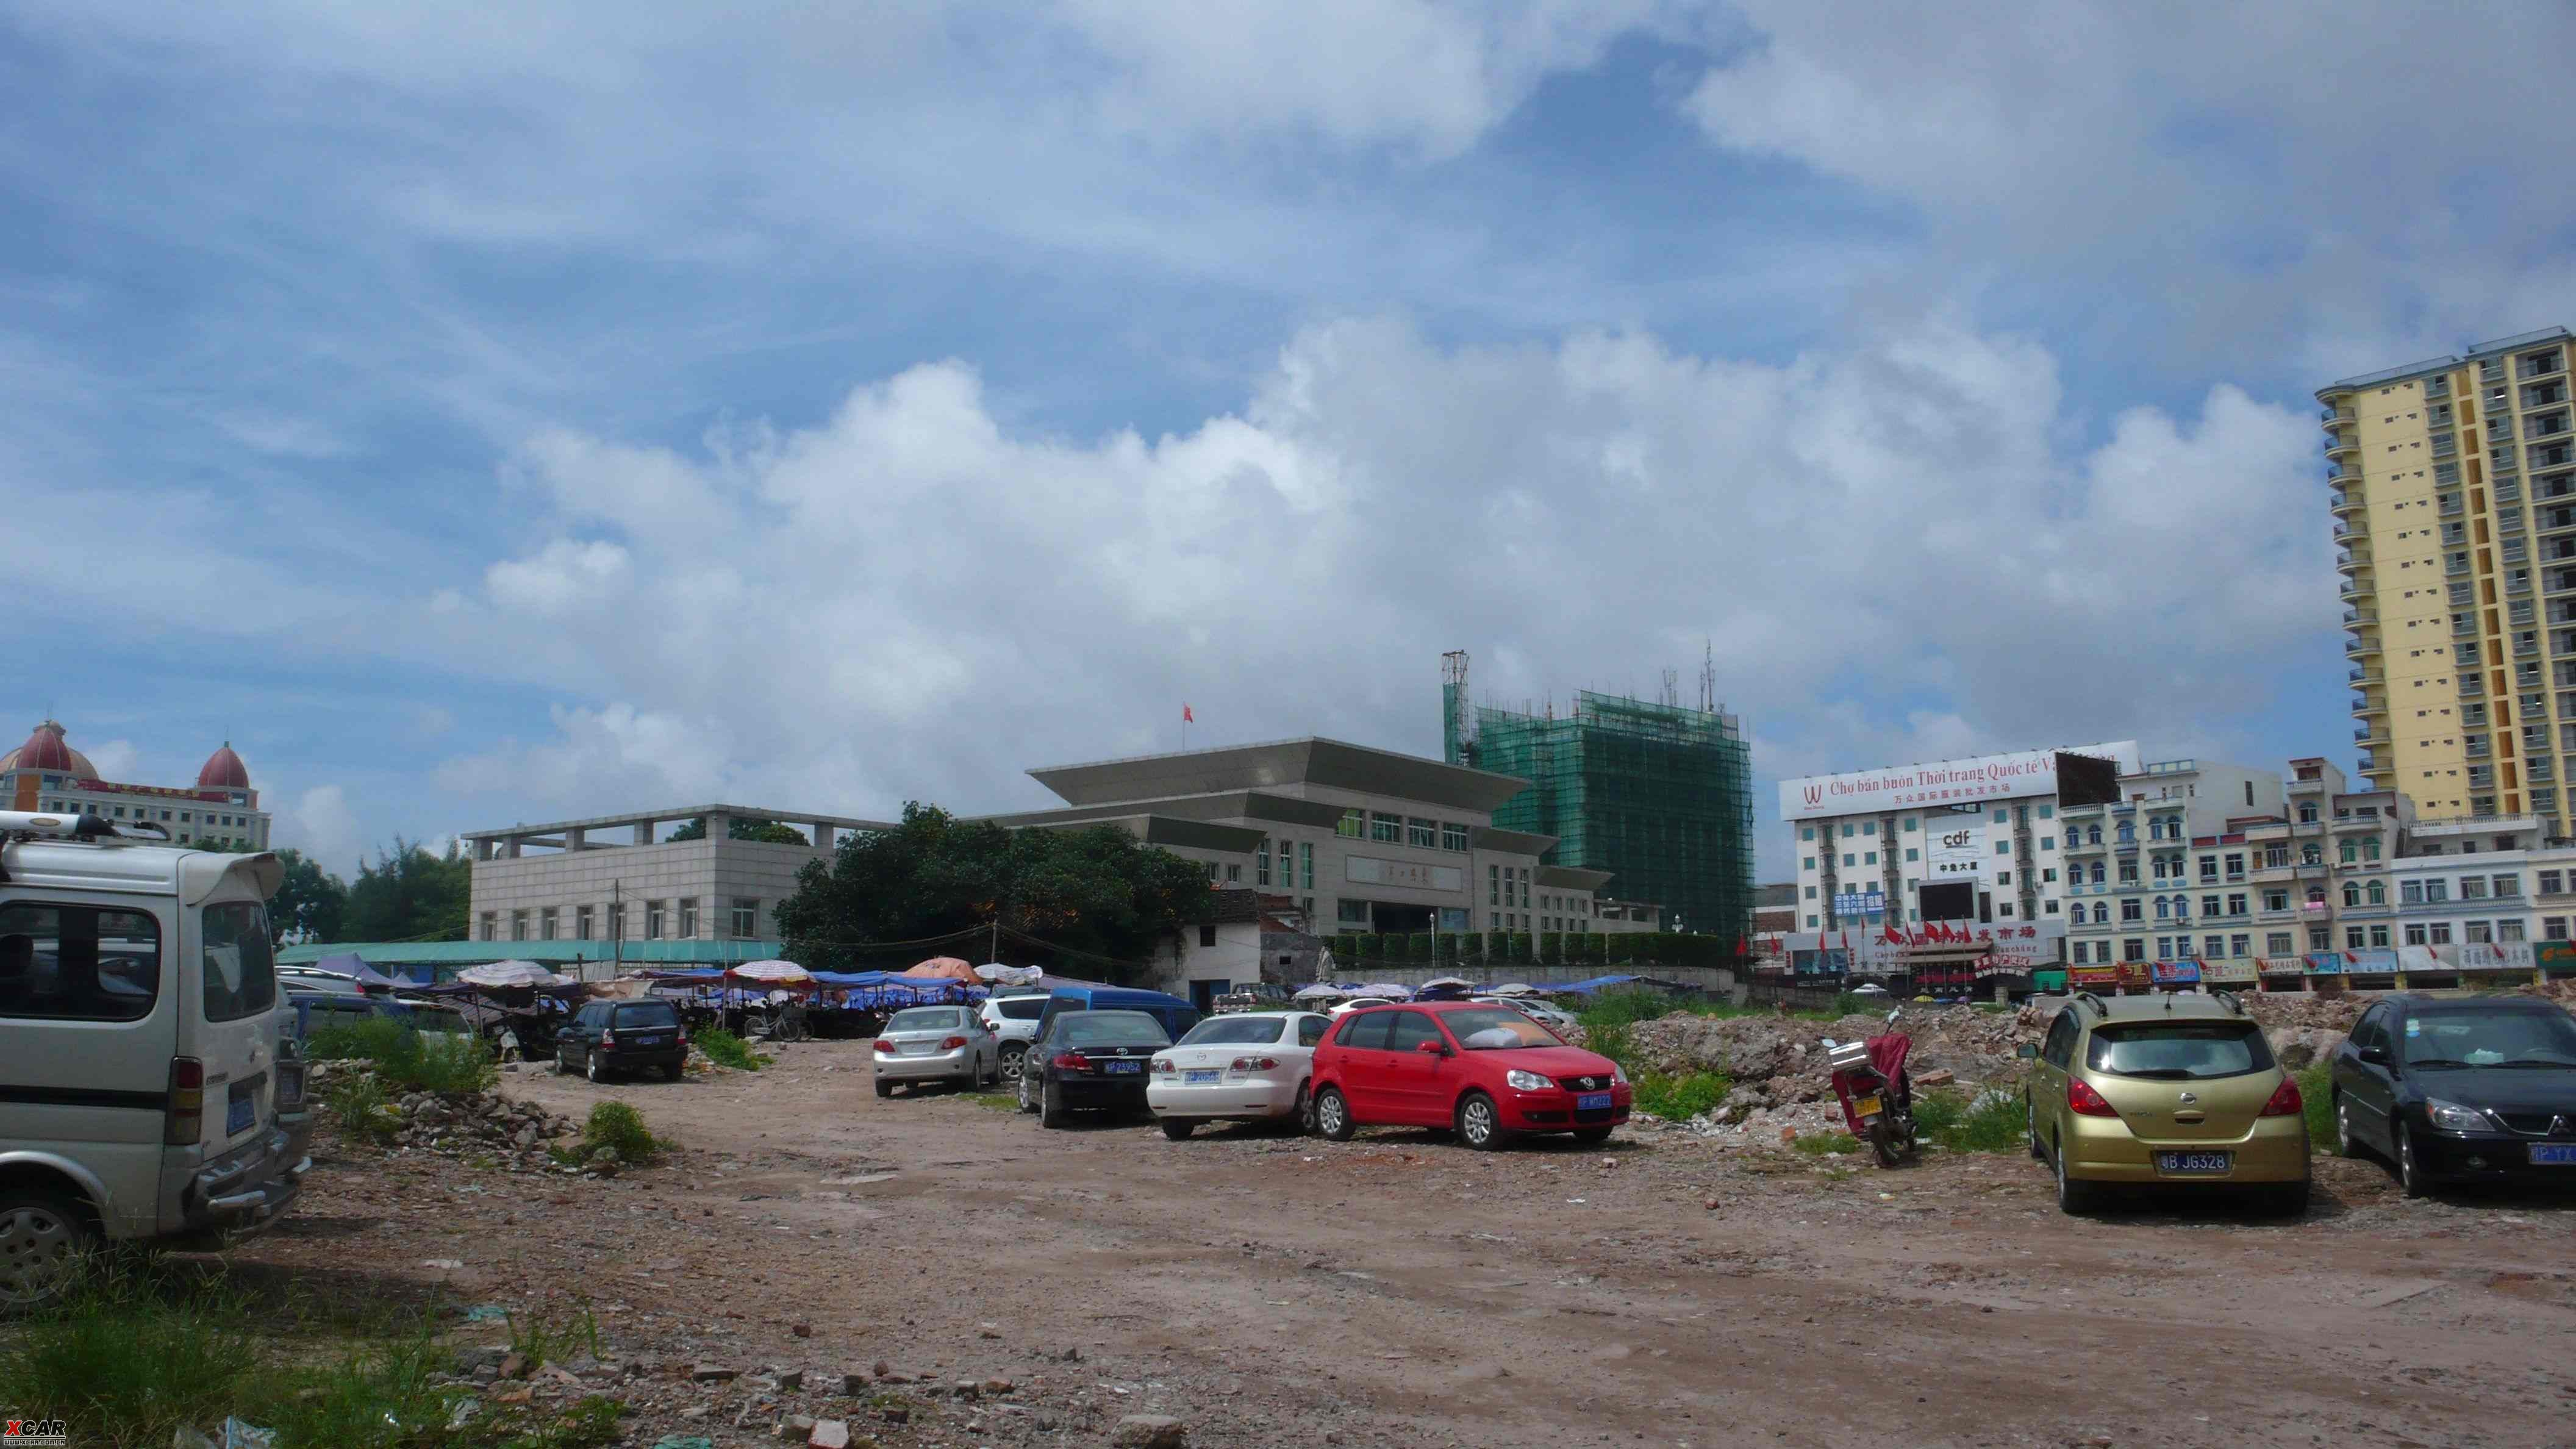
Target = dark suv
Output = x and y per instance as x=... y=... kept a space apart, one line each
x=622 y=1036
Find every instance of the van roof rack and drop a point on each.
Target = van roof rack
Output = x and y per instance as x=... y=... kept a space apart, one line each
x=74 y=825
x=2234 y=1002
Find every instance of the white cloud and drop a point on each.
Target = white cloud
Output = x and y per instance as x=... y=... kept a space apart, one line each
x=321 y=822
x=911 y=598
x=114 y=759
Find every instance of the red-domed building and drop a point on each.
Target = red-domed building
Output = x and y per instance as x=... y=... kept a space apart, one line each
x=47 y=774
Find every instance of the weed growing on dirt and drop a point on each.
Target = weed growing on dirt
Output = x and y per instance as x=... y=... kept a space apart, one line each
x=1827 y=1144
x=615 y=1124
x=544 y=1342
x=136 y=1353
x=359 y=1108
x=1992 y=1123
x=727 y=1050
x=1679 y=1098
x=408 y=1060
x=2316 y=1094
x=996 y=1101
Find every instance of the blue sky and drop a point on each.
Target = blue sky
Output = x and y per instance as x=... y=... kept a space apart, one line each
x=490 y=418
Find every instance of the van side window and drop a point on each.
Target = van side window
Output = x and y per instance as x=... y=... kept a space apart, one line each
x=78 y=963
x=241 y=975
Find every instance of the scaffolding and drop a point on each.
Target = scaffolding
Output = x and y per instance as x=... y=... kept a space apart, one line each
x=1659 y=795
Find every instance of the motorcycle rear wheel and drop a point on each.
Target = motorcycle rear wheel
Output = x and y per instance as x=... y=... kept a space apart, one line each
x=1885 y=1141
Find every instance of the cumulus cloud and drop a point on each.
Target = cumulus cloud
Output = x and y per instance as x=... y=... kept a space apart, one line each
x=321 y=822
x=914 y=598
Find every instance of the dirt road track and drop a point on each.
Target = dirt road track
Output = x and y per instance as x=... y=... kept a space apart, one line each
x=1268 y=1289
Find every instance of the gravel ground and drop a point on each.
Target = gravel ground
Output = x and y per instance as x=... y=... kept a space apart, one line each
x=1262 y=1289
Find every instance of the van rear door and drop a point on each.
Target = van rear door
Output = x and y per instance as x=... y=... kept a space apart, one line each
x=228 y=992
x=88 y=1012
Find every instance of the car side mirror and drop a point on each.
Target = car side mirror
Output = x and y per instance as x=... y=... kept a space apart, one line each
x=1431 y=1049
x=2377 y=1056
x=2026 y=1052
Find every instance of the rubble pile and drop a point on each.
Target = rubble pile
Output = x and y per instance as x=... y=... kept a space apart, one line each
x=464 y=1125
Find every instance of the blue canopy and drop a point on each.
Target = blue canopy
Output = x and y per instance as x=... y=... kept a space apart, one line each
x=1597 y=983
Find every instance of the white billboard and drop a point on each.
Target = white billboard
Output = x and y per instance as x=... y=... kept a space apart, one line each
x=1948 y=782
x=1954 y=849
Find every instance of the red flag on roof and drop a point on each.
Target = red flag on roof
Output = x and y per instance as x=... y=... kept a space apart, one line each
x=1893 y=936
x=1186 y=716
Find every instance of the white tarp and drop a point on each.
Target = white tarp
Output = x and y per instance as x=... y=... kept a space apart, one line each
x=1001 y=975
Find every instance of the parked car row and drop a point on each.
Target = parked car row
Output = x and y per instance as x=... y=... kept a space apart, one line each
x=2184 y=1090
x=1488 y=1070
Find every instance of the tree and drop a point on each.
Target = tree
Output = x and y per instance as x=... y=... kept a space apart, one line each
x=1095 y=890
x=310 y=902
x=744 y=829
x=408 y=894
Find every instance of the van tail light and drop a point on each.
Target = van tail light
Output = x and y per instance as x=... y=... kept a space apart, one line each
x=2083 y=1101
x=183 y=1122
x=951 y=1043
x=882 y=1047
x=1071 y=1062
x=2285 y=1102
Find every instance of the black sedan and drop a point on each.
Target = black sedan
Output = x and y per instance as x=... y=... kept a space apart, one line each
x=2453 y=1089
x=1090 y=1061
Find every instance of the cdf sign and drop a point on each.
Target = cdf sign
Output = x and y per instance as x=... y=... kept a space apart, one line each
x=1955 y=848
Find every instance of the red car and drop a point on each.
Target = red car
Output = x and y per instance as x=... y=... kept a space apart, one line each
x=1487 y=1071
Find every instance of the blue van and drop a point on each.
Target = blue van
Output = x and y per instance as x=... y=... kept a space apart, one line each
x=1176 y=1015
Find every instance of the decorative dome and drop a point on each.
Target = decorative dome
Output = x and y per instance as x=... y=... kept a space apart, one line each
x=45 y=750
x=224 y=770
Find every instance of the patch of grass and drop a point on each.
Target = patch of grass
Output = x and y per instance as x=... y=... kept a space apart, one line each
x=2316 y=1094
x=137 y=1353
x=1955 y=1123
x=408 y=1060
x=1822 y=1144
x=546 y=1342
x=360 y=1109
x=728 y=1050
x=615 y=1124
x=995 y=1101
x=1679 y=1098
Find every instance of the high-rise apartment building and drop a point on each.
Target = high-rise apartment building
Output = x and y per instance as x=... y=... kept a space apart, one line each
x=2455 y=515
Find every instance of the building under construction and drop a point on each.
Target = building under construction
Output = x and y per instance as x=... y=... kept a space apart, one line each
x=1660 y=795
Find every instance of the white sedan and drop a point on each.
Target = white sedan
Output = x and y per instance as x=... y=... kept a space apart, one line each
x=1538 y=1011
x=1246 y=1066
x=1343 y=1008
x=936 y=1044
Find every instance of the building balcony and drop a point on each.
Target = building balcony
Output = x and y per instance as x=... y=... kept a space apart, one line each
x=2361 y=618
x=2313 y=787
x=2331 y=416
x=2354 y=564
x=2345 y=502
x=2361 y=649
x=2352 y=591
x=2364 y=706
x=2342 y=445
x=2343 y=475
x=2360 y=822
x=2471 y=687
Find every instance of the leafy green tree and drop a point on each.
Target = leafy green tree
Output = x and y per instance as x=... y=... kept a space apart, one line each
x=1096 y=890
x=408 y=894
x=745 y=829
x=310 y=902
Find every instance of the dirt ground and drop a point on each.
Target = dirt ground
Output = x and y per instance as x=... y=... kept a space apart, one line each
x=1265 y=1289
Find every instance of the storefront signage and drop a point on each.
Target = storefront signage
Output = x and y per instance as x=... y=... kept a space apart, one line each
x=1954 y=848
x=1409 y=875
x=2135 y=973
x=2177 y=973
x=1987 y=777
x=2086 y=978
x=1860 y=903
x=2487 y=955
x=2226 y=970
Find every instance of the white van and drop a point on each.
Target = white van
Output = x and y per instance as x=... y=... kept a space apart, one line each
x=139 y=1048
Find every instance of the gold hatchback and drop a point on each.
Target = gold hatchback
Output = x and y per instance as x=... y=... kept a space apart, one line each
x=2165 y=1090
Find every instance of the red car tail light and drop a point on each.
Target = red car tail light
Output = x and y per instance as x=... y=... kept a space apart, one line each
x=184 y=1118
x=607 y=1041
x=1163 y=1064
x=2083 y=1101
x=2285 y=1102
x=1071 y=1062
x=882 y=1046
x=1255 y=1064
x=951 y=1043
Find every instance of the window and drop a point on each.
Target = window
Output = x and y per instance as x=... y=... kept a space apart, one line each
x=1913 y=854
x=1811 y=923
x=2472 y=888
x=1305 y=865
x=2052 y=908
x=2240 y=944
x=1387 y=828
x=2410 y=892
x=2277 y=943
x=1869 y=827
x=84 y=963
x=2134 y=949
x=2128 y=872
x=2209 y=868
x=2093 y=835
x=2379 y=935
x=2209 y=905
x=1207 y=935
x=491 y=926
x=241 y=975
x=1807 y=832
x=1849 y=859
x=1453 y=836
x=518 y=925
x=2097 y=872
x=2280 y=900
x=2509 y=930
x=2101 y=913
x=1233 y=876
x=2129 y=910
x=2236 y=904
x=2550 y=883
x=2508 y=887
x=2351 y=849
x=2048 y=842
x=2482 y=932
x=2436 y=892
x=2235 y=867
x=2164 y=908
x=2003 y=877
x=2048 y=874
x=2164 y=947
x=746 y=917
x=2414 y=933
x=2003 y=847
x=2441 y=933
x=1848 y=830
x=582 y=920
x=1350 y=826
x=1869 y=857
x=2213 y=945
x=689 y=917
x=617 y=920
x=653 y=916
x=1261 y=863
x=1494 y=885
x=1422 y=834
x=546 y=922
x=2351 y=896
x=2370 y=848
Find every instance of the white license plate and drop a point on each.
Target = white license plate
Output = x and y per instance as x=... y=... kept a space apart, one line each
x=916 y=1048
x=1195 y=1075
x=1119 y=1068
x=2553 y=1154
x=2189 y=1164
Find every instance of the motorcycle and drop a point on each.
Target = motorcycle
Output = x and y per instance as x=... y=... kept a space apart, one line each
x=1876 y=1092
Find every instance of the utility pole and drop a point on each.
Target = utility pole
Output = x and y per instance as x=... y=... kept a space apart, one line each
x=995 y=954
x=617 y=925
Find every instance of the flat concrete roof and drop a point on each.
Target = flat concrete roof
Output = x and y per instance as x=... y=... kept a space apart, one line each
x=1335 y=764
x=678 y=812
x=1228 y=805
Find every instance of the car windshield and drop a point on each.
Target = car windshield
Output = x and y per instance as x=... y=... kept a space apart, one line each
x=2491 y=1037
x=1496 y=1028
x=2179 y=1051
x=927 y=1018
x=1234 y=1031
x=1109 y=1028
x=645 y=1015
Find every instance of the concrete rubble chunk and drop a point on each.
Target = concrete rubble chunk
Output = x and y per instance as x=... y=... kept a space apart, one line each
x=794 y=1429
x=710 y=1373
x=829 y=1434
x=791 y=1381
x=1150 y=1431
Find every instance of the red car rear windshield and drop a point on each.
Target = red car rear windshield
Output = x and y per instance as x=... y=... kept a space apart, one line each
x=1497 y=1028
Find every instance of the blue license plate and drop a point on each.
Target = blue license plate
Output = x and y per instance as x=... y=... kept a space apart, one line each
x=643 y=1041
x=1591 y=1101
x=2553 y=1154
x=1118 y=1068
x=241 y=1111
x=2190 y=1163
x=1195 y=1075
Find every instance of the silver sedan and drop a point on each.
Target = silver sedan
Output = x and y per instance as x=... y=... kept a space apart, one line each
x=936 y=1044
